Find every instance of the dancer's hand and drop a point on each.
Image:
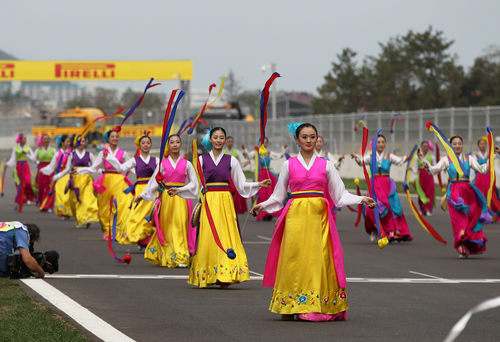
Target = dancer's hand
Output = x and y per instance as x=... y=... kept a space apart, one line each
x=256 y=210
x=408 y=156
x=341 y=158
x=242 y=146
x=420 y=155
x=265 y=183
x=370 y=202
x=497 y=149
x=353 y=155
x=173 y=192
x=104 y=154
x=285 y=146
x=138 y=199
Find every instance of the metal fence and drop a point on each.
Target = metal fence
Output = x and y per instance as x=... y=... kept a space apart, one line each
x=340 y=137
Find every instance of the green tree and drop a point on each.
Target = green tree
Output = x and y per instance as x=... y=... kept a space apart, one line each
x=151 y=100
x=232 y=87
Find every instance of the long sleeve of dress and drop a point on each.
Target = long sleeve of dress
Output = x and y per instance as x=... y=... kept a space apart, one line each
x=149 y=193
x=47 y=170
x=244 y=188
x=127 y=166
x=94 y=168
x=277 y=155
x=474 y=165
x=395 y=160
x=33 y=156
x=443 y=165
x=275 y=202
x=190 y=190
x=12 y=160
x=247 y=154
x=67 y=170
x=336 y=188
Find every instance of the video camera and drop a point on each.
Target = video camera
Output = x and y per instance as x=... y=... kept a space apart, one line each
x=48 y=261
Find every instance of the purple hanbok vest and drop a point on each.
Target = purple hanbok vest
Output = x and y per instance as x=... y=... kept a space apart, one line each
x=83 y=162
x=144 y=170
x=216 y=173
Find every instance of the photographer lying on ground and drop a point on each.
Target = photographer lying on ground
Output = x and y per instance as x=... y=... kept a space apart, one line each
x=15 y=240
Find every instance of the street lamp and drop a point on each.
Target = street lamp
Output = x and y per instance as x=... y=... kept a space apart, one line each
x=271 y=67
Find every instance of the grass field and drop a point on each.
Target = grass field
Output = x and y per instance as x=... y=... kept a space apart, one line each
x=23 y=320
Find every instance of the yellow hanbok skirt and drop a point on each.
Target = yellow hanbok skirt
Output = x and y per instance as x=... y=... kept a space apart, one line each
x=306 y=280
x=62 y=202
x=173 y=220
x=86 y=211
x=211 y=265
x=136 y=226
x=115 y=186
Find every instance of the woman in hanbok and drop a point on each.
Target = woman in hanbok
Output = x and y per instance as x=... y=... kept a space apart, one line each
x=19 y=161
x=466 y=204
x=210 y=265
x=174 y=225
x=327 y=155
x=240 y=203
x=137 y=228
x=424 y=183
x=392 y=218
x=482 y=182
x=58 y=163
x=110 y=184
x=266 y=173
x=305 y=264
x=81 y=192
x=42 y=156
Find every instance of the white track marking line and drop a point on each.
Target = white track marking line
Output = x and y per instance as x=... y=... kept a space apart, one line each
x=433 y=280
x=425 y=275
x=264 y=238
x=81 y=315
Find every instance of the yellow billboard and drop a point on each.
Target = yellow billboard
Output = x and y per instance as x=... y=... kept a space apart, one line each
x=95 y=70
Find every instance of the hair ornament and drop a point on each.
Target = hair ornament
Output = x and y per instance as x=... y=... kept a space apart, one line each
x=206 y=140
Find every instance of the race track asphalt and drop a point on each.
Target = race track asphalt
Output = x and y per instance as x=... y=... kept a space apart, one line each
x=383 y=306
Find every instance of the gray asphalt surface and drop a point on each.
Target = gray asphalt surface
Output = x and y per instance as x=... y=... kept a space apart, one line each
x=172 y=310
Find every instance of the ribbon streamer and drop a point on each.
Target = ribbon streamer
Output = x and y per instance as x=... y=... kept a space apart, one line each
x=131 y=111
x=264 y=97
x=492 y=196
x=87 y=129
x=213 y=85
x=383 y=241
x=459 y=166
x=112 y=233
x=360 y=121
x=426 y=225
x=462 y=323
x=393 y=120
x=189 y=125
x=169 y=120
x=203 y=190
x=3 y=170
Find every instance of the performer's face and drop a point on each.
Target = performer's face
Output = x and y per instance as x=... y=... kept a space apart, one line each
x=23 y=140
x=174 y=144
x=319 y=143
x=66 y=143
x=230 y=143
x=114 y=138
x=45 y=141
x=266 y=142
x=218 y=139
x=83 y=143
x=145 y=145
x=380 y=144
x=307 y=139
x=482 y=145
x=425 y=148
x=457 y=145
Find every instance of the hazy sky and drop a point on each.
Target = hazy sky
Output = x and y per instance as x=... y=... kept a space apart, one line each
x=301 y=37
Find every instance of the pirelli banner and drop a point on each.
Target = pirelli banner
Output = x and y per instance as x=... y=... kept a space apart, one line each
x=95 y=71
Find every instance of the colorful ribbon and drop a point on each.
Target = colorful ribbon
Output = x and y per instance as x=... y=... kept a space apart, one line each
x=213 y=85
x=131 y=111
x=393 y=120
x=361 y=206
x=492 y=196
x=361 y=121
x=89 y=126
x=3 y=170
x=112 y=233
x=426 y=225
x=383 y=241
x=203 y=190
x=169 y=120
x=264 y=97
x=451 y=152
x=181 y=132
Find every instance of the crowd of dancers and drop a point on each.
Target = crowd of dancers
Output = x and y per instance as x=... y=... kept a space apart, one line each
x=184 y=214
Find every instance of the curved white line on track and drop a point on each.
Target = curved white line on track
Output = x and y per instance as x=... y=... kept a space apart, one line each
x=81 y=315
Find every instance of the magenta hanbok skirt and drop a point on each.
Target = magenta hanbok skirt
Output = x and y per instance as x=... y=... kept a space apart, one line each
x=426 y=183
x=43 y=182
x=467 y=218
x=24 y=174
x=390 y=209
